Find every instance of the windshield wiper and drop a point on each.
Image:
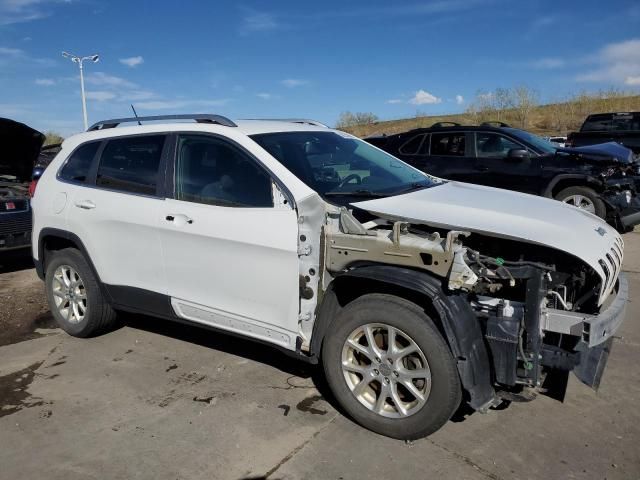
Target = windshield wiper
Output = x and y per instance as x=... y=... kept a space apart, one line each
x=357 y=193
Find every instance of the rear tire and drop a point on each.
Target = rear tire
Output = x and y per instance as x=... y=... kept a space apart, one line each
x=74 y=295
x=433 y=391
x=584 y=198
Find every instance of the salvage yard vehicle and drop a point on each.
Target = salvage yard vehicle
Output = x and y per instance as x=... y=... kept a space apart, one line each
x=415 y=294
x=20 y=148
x=600 y=179
x=619 y=127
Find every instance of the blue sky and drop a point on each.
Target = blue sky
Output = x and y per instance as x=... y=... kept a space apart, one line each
x=304 y=59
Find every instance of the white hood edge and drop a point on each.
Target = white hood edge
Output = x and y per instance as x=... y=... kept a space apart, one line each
x=507 y=214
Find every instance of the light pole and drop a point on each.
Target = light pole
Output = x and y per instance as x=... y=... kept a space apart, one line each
x=79 y=60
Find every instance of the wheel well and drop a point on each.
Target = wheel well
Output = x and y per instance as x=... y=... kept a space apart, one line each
x=573 y=182
x=347 y=289
x=52 y=243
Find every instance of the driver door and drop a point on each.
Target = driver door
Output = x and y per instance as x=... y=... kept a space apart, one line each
x=230 y=255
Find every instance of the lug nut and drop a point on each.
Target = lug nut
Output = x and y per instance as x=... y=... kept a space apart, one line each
x=376 y=372
x=378 y=359
x=386 y=380
x=396 y=373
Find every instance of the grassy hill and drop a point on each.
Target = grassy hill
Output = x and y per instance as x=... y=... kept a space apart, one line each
x=551 y=119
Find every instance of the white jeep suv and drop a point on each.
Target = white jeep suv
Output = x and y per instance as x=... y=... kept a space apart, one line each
x=415 y=294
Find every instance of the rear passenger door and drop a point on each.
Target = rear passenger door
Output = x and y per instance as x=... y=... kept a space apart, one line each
x=114 y=210
x=230 y=251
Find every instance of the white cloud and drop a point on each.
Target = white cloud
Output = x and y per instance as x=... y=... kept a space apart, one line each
x=264 y=96
x=615 y=63
x=137 y=95
x=547 y=63
x=422 y=98
x=103 y=79
x=293 y=82
x=17 y=11
x=394 y=101
x=45 y=82
x=255 y=22
x=100 y=95
x=132 y=61
x=11 y=52
x=459 y=99
x=632 y=81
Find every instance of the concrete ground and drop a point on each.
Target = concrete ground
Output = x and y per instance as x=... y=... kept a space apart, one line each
x=155 y=400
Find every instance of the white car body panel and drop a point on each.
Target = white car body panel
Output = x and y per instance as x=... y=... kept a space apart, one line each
x=505 y=214
x=233 y=267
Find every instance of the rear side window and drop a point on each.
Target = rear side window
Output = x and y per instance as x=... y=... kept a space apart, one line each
x=131 y=164
x=595 y=123
x=412 y=146
x=77 y=167
x=448 y=144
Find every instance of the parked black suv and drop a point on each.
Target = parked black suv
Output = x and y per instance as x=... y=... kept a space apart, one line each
x=598 y=179
x=623 y=128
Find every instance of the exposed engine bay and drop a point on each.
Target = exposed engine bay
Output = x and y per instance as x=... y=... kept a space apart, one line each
x=533 y=304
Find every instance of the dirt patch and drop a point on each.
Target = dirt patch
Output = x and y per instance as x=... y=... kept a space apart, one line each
x=23 y=306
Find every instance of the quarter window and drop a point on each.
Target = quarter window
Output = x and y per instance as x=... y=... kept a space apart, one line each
x=448 y=144
x=494 y=145
x=213 y=172
x=412 y=146
x=131 y=164
x=77 y=167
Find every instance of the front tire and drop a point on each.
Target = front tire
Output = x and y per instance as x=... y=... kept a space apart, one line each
x=389 y=367
x=584 y=198
x=74 y=296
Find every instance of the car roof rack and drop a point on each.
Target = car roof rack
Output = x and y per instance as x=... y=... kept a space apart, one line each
x=445 y=124
x=198 y=117
x=307 y=121
x=495 y=123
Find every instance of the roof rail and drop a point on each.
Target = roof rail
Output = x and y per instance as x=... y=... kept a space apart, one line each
x=198 y=117
x=445 y=124
x=307 y=121
x=494 y=123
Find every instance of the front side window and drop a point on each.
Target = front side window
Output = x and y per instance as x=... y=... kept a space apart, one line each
x=214 y=172
x=595 y=123
x=334 y=164
x=448 y=144
x=494 y=145
x=77 y=167
x=131 y=164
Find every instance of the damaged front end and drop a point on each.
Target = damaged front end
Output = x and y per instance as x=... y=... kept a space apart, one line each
x=531 y=313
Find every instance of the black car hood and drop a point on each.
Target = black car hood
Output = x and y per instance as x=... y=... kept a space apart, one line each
x=603 y=151
x=19 y=147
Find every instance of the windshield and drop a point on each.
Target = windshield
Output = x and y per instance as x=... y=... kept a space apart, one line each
x=334 y=165
x=538 y=143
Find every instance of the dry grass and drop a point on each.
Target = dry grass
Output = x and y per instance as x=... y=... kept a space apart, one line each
x=551 y=119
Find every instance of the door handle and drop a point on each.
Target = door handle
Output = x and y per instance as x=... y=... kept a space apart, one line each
x=86 y=205
x=178 y=219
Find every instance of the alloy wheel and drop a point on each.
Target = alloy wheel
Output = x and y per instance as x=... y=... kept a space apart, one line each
x=582 y=202
x=386 y=370
x=69 y=294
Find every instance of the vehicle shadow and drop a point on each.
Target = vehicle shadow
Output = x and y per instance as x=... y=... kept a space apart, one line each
x=15 y=260
x=221 y=341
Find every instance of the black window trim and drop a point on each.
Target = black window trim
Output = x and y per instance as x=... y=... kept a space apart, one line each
x=170 y=187
x=87 y=182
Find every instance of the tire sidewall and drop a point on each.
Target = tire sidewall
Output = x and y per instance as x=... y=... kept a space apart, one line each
x=445 y=393
x=599 y=206
x=75 y=260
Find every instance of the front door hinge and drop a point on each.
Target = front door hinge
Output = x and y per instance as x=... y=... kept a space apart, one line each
x=304 y=250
